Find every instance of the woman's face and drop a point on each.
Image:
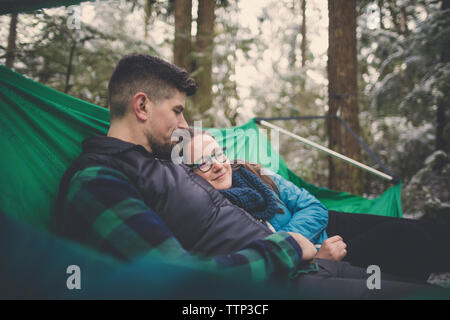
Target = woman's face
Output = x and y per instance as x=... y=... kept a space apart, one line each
x=204 y=149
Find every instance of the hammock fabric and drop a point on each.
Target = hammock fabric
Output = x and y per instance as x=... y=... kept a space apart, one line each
x=41 y=131
x=246 y=142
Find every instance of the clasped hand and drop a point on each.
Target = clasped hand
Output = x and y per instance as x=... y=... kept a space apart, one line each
x=333 y=248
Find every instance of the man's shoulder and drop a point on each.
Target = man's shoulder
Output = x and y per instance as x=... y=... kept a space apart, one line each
x=98 y=171
x=99 y=176
x=101 y=184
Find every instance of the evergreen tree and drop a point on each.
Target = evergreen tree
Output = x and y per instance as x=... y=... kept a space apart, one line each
x=343 y=94
x=11 y=48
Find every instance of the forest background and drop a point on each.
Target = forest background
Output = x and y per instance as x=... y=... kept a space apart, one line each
x=383 y=66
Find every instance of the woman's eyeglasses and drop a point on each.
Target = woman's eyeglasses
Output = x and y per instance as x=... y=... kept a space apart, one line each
x=206 y=163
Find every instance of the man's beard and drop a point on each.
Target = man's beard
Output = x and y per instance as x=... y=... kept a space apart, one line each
x=161 y=150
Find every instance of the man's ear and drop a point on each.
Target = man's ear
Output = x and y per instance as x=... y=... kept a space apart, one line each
x=140 y=105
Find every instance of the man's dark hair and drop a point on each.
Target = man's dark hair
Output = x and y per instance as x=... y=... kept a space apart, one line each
x=144 y=73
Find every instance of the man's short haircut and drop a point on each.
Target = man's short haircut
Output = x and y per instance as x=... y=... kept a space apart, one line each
x=148 y=74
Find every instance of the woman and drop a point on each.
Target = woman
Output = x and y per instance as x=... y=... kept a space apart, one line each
x=406 y=247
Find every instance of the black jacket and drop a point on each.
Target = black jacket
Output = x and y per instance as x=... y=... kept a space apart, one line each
x=200 y=218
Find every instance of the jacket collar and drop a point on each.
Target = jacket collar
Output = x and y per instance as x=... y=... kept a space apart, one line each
x=109 y=145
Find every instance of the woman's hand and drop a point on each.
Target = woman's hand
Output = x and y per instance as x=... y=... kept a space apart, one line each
x=332 y=249
x=308 y=249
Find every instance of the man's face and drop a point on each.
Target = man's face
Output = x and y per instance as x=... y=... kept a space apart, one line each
x=165 y=117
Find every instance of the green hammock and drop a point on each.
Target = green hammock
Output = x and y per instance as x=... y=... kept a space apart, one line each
x=41 y=131
x=246 y=142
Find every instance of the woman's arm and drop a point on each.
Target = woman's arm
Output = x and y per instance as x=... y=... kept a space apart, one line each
x=309 y=215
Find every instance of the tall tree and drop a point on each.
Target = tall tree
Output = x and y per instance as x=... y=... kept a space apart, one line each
x=182 y=41
x=148 y=8
x=342 y=94
x=403 y=21
x=380 y=12
x=303 y=45
x=11 y=48
x=203 y=53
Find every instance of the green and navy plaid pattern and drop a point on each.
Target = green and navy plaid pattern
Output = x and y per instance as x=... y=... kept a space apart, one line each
x=104 y=210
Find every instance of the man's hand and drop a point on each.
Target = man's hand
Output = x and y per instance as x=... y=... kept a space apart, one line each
x=332 y=249
x=309 y=251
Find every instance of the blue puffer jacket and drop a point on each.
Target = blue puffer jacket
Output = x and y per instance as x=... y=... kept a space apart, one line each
x=303 y=213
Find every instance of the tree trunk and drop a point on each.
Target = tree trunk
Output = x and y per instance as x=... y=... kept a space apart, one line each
x=203 y=57
x=11 y=48
x=404 y=21
x=303 y=45
x=292 y=56
x=148 y=14
x=182 y=42
x=342 y=92
x=67 y=85
x=380 y=10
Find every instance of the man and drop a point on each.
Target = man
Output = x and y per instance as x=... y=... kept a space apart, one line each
x=124 y=197
x=110 y=195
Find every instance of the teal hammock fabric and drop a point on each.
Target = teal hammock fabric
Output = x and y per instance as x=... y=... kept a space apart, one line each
x=41 y=131
x=247 y=143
